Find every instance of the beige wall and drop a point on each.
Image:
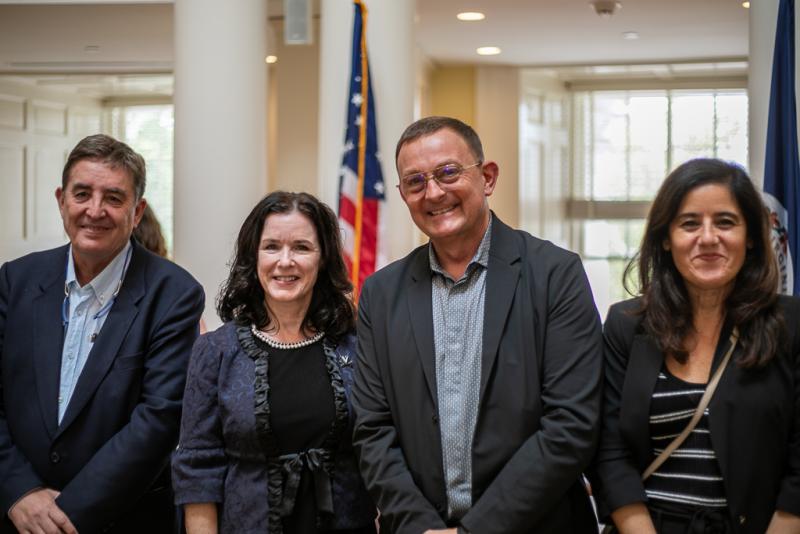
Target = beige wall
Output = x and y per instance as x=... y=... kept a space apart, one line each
x=487 y=98
x=497 y=122
x=295 y=108
x=452 y=92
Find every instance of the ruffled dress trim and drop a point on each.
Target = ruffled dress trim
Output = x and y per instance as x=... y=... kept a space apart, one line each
x=283 y=472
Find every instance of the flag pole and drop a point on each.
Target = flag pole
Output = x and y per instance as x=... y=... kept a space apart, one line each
x=362 y=151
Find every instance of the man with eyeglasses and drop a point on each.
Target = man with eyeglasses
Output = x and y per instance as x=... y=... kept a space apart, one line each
x=478 y=385
x=95 y=338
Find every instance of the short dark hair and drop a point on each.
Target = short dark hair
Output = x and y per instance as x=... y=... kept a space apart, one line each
x=241 y=298
x=115 y=154
x=751 y=304
x=430 y=125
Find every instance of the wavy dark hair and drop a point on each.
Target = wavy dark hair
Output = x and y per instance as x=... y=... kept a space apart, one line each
x=752 y=303
x=241 y=298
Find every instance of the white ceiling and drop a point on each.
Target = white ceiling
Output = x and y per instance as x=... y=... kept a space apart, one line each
x=135 y=37
x=559 y=32
x=54 y=38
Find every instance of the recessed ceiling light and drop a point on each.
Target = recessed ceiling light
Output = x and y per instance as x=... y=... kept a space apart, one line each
x=470 y=16
x=488 y=51
x=271 y=59
x=630 y=36
x=746 y=4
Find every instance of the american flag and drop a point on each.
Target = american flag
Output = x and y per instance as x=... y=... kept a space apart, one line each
x=361 y=187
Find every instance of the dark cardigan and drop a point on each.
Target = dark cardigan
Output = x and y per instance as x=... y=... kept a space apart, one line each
x=225 y=432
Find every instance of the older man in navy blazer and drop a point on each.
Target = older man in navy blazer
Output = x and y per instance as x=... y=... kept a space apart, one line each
x=477 y=392
x=95 y=338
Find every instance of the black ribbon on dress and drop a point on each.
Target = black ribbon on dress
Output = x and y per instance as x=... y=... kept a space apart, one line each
x=292 y=466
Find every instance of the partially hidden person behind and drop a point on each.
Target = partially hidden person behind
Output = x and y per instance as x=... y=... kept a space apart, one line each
x=709 y=343
x=148 y=233
x=480 y=360
x=265 y=441
x=95 y=338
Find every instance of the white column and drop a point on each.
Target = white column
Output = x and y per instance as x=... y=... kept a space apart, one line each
x=220 y=132
x=390 y=43
x=335 y=38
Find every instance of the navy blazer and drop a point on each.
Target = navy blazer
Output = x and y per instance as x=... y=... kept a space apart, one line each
x=108 y=455
x=754 y=418
x=540 y=383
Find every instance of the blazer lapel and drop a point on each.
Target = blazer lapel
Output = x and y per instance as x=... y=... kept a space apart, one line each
x=48 y=343
x=420 y=312
x=501 y=285
x=107 y=345
x=644 y=364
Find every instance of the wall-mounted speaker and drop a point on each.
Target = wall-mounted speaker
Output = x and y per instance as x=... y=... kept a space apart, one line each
x=297 y=29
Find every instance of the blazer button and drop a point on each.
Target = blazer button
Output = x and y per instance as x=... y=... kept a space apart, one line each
x=54 y=457
x=742 y=519
x=435 y=419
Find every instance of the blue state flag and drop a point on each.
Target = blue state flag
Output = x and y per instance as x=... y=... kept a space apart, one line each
x=781 y=166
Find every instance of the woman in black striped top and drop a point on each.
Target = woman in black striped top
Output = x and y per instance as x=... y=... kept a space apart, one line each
x=691 y=475
x=705 y=267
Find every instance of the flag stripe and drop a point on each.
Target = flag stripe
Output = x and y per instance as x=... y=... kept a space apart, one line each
x=360 y=180
x=369 y=237
x=347 y=211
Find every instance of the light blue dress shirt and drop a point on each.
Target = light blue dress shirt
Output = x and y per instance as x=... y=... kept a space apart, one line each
x=84 y=322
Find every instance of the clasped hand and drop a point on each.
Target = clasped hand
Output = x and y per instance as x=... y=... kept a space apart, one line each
x=38 y=513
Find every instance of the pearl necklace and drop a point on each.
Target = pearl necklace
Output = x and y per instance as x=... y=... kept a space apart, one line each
x=285 y=346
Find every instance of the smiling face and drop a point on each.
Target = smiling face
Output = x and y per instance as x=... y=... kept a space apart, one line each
x=708 y=239
x=452 y=212
x=99 y=210
x=288 y=259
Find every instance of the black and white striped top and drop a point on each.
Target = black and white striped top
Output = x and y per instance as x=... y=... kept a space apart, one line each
x=691 y=474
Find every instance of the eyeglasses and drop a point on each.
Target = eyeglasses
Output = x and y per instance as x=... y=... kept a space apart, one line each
x=413 y=184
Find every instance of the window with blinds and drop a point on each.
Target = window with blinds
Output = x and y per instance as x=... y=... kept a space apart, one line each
x=148 y=129
x=624 y=144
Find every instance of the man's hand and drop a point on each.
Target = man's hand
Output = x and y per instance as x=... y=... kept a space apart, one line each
x=38 y=513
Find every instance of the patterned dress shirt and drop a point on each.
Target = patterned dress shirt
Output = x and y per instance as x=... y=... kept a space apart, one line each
x=458 y=340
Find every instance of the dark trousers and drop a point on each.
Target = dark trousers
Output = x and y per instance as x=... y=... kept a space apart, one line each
x=670 y=518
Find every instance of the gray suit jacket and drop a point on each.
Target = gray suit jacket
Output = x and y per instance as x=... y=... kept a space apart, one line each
x=540 y=391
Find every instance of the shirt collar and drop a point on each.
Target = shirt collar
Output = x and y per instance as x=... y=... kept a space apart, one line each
x=104 y=285
x=481 y=256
